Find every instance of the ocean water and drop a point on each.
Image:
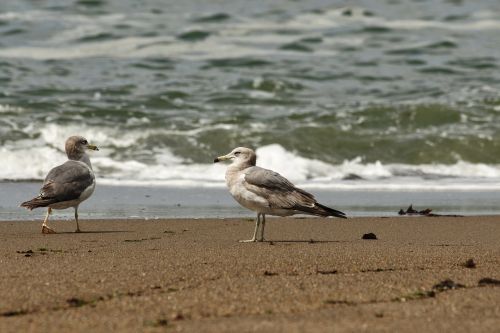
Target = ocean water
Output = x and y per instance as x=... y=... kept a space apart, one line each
x=375 y=95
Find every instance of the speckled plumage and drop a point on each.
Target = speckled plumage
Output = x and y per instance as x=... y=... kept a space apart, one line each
x=267 y=192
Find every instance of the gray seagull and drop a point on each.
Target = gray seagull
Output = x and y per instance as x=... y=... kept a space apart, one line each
x=267 y=192
x=68 y=184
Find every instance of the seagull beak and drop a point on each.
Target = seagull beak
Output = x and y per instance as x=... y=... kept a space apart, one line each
x=222 y=158
x=92 y=147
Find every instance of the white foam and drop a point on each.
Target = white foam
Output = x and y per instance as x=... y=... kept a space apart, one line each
x=300 y=169
x=29 y=163
x=293 y=167
x=28 y=16
x=336 y=17
x=7 y=108
x=32 y=159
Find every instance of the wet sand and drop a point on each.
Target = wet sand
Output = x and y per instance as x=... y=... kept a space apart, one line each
x=313 y=275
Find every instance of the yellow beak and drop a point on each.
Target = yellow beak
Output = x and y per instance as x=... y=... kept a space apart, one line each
x=222 y=158
x=92 y=147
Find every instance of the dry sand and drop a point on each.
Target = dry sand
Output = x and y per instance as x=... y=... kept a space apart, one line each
x=317 y=275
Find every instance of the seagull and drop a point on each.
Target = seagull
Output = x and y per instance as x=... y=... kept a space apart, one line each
x=68 y=184
x=267 y=192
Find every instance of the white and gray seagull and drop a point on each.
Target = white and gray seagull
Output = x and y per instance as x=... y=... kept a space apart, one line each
x=68 y=184
x=267 y=192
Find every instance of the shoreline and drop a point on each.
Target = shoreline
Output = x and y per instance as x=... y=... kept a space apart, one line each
x=157 y=202
x=312 y=274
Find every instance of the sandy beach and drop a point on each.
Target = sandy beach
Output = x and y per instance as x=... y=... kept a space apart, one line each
x=313 y=275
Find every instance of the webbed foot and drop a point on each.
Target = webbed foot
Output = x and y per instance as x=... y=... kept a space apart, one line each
x=248 y=240
x=47 y=230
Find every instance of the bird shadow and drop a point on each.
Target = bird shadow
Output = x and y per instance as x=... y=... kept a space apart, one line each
x=92 y=232
x=305 y=241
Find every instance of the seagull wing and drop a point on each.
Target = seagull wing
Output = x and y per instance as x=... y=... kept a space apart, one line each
x=66 y=182
x=280 y=193
x=276 y=189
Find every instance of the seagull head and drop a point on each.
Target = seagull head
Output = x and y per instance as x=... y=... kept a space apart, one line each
x=76 y=147
x=240 y=155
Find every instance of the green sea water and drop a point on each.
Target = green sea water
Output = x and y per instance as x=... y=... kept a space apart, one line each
x=374 y=90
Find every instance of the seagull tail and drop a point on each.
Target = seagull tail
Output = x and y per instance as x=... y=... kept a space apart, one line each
x=35 y=203
x=327 y=211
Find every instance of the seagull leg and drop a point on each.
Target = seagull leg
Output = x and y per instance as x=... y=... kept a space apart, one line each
x=45 y=228
x=76 y=219
x=254 y=238
x=263 y=225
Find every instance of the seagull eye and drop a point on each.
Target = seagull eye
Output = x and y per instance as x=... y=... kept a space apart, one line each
x=84 y=142
x=237 y=153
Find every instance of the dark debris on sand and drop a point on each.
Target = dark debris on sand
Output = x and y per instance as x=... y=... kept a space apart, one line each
x=75 y=302
x=489 y=281
x=14 y=313
x=369 y=235
x=410 y=211
x=440 y=287
x=326 y=272
x=469 y=263
x=447 y=284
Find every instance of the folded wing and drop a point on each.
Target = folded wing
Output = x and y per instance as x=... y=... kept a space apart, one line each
x=63 y=183
x=282 y=194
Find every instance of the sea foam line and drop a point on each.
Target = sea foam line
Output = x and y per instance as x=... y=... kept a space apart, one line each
x=167 y=169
